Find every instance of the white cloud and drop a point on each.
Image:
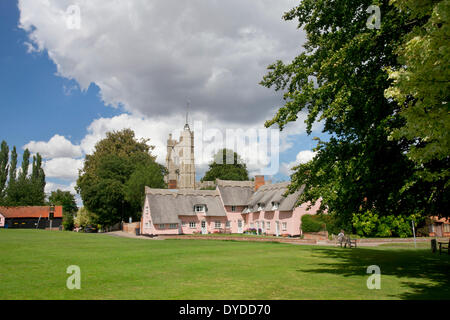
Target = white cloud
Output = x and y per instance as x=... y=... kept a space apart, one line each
x=63 y=168
x=57 y=147
x=303 y=156
x=150 y=56
x=51 y=186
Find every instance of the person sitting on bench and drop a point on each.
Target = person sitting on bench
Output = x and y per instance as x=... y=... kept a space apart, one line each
x=341 y=237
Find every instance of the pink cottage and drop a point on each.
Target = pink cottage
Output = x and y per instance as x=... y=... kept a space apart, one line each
x=233 y=207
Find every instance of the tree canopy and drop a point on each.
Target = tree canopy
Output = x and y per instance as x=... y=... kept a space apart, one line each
x=23 y=189
x=222 y=169
x=340 y=79
x=421 y=86
x=111 y=183
x=65 y=199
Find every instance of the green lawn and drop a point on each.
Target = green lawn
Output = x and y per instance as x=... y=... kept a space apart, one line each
x=33 y=266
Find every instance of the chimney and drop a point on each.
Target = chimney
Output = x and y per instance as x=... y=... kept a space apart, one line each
x=259 y=181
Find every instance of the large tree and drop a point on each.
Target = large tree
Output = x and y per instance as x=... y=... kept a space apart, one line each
x=4 y=159
x=421 y=86
x=104 y=181
x=340 y=79
x=226 y=165
x=25 y=189
x=67 y=201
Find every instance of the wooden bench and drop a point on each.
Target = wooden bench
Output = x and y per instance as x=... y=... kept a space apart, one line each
x=347 y=241
x=351 y=242
x=444 y=245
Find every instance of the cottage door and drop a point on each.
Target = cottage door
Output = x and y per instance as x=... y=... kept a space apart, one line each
x=204 y=227
x=277 y=228
x=239 y=226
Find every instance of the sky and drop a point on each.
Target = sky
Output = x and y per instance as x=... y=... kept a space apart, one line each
x=72 y=70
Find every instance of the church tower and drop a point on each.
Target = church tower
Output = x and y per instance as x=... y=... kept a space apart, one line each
x=180 y=160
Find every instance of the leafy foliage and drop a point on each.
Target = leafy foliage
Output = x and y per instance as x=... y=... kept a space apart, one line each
x=150 y=174
x=320 y=222
x=370 y=224
x=312 y=223
x=23 y=189
x=84 y=217
x=111 y=183
x=340 y=79
x=227 y=165
x=65 y=199
x=4 y=157
x=421 y=86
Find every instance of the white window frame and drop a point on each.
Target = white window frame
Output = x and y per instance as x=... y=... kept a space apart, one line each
x=200 y=208
x=233 y=208
x=275 y=205
x=192 y=224
x=260 y=206
x=217 y=224
x=268 y=225
x=283 y=226
x=173 y=226
x=162 y=226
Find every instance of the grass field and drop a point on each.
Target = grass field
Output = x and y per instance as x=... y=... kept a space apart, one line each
x=33 y=265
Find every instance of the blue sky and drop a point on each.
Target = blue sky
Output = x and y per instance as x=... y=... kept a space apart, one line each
x=62 y=89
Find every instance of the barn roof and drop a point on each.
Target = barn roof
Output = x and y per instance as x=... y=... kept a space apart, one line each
x=30 y=212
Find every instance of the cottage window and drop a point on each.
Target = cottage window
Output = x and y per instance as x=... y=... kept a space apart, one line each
x=162 y=226
x=217 y=224
x=275 y=205
x=228 y=224
x=192 y=225
x=284 y=226
x=172 y=226
x=260 y=206
x=262 y=225
x=199 y=208
x=233 y=208
x=268 y=225
x=446 y=227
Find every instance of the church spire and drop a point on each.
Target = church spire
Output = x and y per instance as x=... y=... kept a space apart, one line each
x=186 y=125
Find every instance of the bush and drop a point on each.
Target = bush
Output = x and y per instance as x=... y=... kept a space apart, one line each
x=312 y=223
x=370 y=224
x=68 y=221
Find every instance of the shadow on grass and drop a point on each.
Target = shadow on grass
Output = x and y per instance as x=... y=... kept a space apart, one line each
x=400 y=263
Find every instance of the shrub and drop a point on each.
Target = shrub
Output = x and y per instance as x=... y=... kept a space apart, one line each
x=312 y=223
x=370 y=224
x=68 y=221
